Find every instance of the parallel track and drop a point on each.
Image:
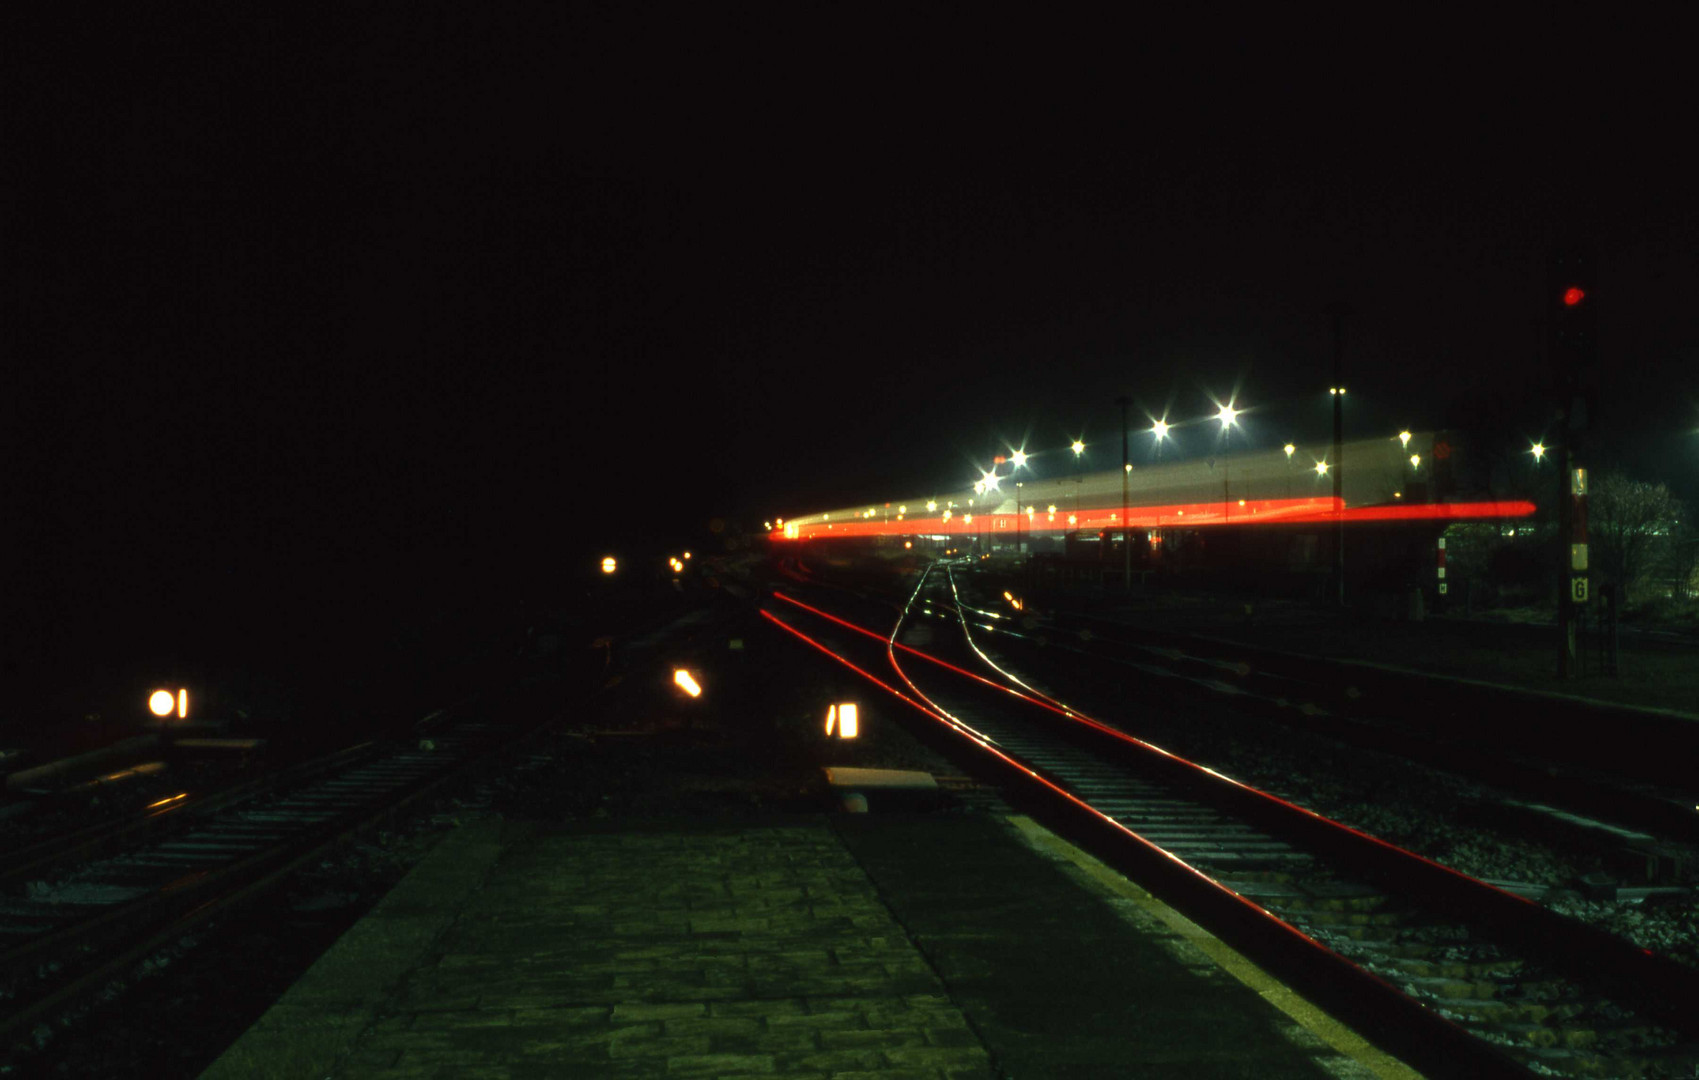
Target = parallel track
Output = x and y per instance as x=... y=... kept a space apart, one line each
x=1445 y=971
x=73 y=922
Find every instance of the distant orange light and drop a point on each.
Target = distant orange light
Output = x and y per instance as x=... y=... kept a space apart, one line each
x=160 y=702
x=182 y=703
x=608 y=564
x=686 y=683
x=168 y=799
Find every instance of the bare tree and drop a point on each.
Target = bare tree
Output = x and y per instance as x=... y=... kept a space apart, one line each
x=1627 y=521
x=1680 y=562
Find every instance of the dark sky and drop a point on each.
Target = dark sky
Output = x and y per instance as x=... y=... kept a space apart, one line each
x=454 y=289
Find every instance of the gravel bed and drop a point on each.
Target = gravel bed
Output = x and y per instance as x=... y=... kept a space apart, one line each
x=1434 y=813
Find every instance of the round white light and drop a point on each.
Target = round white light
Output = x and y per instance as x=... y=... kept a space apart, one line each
x=161 y=702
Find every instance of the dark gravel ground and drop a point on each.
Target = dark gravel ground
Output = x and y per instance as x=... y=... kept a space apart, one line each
x=753 y=745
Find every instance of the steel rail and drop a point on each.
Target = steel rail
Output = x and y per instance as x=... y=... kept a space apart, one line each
x=1631 y=973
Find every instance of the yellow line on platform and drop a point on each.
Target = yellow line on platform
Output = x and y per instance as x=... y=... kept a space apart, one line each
x=1306 y=1014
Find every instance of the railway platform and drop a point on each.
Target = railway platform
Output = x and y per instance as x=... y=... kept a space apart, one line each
x=962 y=942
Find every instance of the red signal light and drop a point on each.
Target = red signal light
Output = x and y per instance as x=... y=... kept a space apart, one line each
x=1573 y=296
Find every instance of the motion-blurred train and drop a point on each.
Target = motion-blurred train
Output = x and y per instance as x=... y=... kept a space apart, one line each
x=1268 y=519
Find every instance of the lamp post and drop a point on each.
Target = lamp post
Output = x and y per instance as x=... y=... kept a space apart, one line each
x=1338 y=312
x=1126 y=472
x=1079 y=450
x=1226 y=414
x=1020 y=547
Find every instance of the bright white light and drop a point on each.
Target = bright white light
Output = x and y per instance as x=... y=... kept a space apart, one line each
x=182 y=704
x=947 y=515
x=992 y=480
x=160 y=702
x=1161 y=429
x=686 y=683
x=1321 y=468
x=845 y=718
x=687 y=554
x=1019 y=458
x=1073 y=519
x=1226 y=415
x=609 y=565
x=1128 y=466
x=931 y=505
x=1415 y=461
x=1404 y=439
x=1538 y=450
x=900 y=510
x=1290 y=450
x=1052 y=509
x=1078 y=448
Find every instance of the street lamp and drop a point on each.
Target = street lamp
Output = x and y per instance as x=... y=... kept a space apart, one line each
x=1539 y=452
x=1126 y=472
x=1079 y=449
x=1018 y=498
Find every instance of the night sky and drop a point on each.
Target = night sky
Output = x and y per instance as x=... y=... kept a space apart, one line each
x=453 y=299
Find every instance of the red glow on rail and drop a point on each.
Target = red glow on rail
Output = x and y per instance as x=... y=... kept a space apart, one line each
x=1113 y=732
x=1060 y=791
x=863 y=672
x=910 y=650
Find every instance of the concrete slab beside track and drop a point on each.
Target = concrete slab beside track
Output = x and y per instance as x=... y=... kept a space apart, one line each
x=868 y=945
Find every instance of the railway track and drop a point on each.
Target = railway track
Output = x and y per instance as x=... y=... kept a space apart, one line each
x=1452 y=974
x=75 y=920
x=79 y=913
x=1636 y=778
x=1631 y=804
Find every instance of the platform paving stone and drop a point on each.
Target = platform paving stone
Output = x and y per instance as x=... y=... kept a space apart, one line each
x=931 y=946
